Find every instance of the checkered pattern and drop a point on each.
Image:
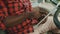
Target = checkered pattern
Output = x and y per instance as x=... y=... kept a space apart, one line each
x=16 y=7
x=22 y=28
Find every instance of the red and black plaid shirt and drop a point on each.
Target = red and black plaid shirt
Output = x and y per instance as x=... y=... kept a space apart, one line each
x=16 y=7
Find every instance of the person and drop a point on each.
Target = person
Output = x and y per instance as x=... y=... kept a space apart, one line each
x=17 y=16
x=9 y=8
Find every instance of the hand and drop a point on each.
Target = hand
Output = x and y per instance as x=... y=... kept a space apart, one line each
x=47 y=26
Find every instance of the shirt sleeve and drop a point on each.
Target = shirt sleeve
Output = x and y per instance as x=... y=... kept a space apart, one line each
x=2 y=16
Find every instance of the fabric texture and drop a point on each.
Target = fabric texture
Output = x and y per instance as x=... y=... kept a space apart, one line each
x=16 y=7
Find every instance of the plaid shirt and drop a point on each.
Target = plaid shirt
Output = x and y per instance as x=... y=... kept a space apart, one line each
x=16 y=7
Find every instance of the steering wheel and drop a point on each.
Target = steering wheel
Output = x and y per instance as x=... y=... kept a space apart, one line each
x=55 y=18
